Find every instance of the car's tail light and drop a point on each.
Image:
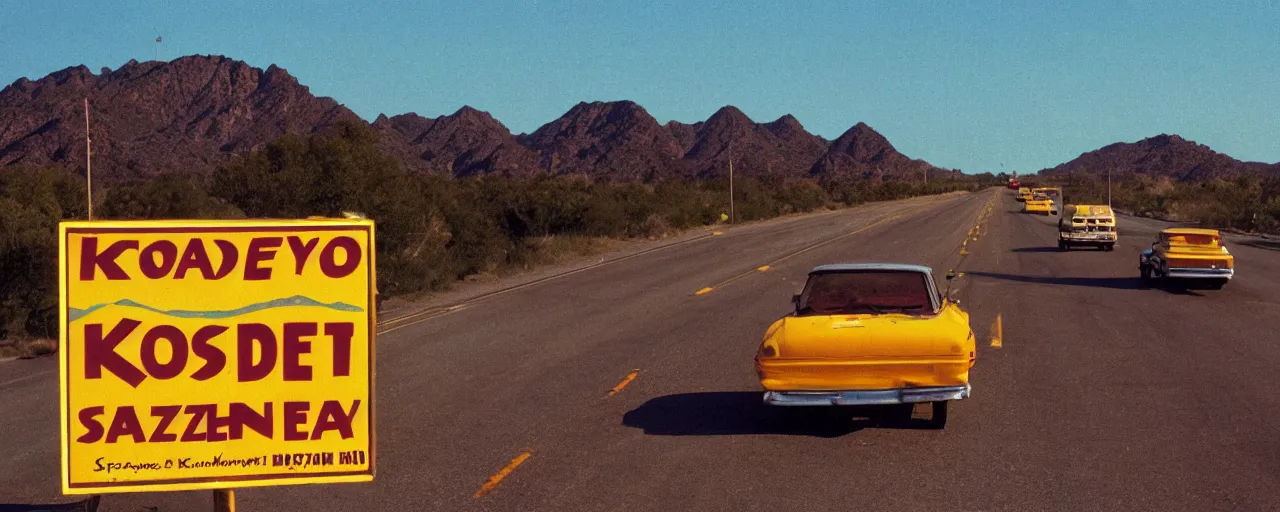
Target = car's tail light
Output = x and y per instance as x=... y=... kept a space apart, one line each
x=769 y=351
x=973 y=357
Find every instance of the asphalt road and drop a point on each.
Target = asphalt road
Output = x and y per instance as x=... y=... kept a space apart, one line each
x=1104 y=394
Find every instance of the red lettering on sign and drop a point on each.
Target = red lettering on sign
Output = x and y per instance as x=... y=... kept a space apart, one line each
x=168 y=253
x=238 y=419
x=194 y=257
x=230 y=256
x=198 y=414
x=166 y=413
x=341 y=332
x=91 y=259
x=214 y=359
x=301 y=251
x=178 y=350
x=294 y=346
x=248 y=335
x=260 y=250
x=332 y=417
x=100 y=352
x=295 y=414
x=126 y=424
x=241 y=416
x=329 y=259
x=89 y=419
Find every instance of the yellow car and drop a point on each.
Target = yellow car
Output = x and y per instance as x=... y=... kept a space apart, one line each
x=1087 y=224
x=1188 y=253
x=1024 y=193
x=1040 y=204
x=869 y=334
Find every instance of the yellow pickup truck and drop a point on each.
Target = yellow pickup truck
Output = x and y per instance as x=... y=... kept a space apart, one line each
x=868 y=334
x=1040 y=203
x=1188 y=253
x=1087 y=224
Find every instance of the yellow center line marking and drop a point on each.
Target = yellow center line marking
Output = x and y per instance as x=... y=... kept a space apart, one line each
x=417 y=317
x=717 y=233
x=997 y=333
x=807 y=249
x=497 y=477
x=625 y=380
x=764 y=268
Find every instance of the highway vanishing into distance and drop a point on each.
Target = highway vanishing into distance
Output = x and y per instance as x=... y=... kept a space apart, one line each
x=620 y=387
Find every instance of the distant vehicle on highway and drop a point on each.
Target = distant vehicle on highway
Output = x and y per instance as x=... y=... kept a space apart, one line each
x=1040 y=204
x=1013 y=185
x=1188 y=253
x=869 y=334
x=1024 y=193
x=1087 y=224
x=1054 y=193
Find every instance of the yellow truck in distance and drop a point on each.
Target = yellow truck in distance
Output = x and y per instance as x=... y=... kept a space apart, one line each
x=1087 y=224
x=1196 y=255
x=1040 y=203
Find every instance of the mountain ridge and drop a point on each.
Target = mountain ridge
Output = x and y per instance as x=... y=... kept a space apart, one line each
x=1160 y=156
x=196 y=113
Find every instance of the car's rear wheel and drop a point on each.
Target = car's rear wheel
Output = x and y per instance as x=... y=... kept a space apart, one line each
x=1144 y=271
x=939 y=419
x=1217 y=284
x=1062 y=245
x=1108 y=247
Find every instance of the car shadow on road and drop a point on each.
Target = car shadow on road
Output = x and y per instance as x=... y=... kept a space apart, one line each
x=1118 y=283
x=730 y=413
x=1037 y=249
x=86 y=505
x=1114 y=283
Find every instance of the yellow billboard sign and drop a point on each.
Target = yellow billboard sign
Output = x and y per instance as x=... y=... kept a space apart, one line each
x=216 y=354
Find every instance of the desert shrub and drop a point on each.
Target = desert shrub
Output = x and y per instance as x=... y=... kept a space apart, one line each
x=32 y=202
x=432 y=230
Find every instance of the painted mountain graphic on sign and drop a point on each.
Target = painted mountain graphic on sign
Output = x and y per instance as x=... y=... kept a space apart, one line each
x=74 y=314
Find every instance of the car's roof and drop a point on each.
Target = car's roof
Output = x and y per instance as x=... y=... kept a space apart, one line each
x=1085 y=210
x=1191 y=231
x=846 y=267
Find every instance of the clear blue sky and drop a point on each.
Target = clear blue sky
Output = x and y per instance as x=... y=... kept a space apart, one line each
x=963 y=84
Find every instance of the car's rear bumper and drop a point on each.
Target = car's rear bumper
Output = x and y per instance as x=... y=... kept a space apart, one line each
x=1087 y=239
x=1201 y=273
x=865 y=397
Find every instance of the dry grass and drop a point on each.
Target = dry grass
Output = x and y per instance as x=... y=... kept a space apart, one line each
x=27 y=348
x=556 y=249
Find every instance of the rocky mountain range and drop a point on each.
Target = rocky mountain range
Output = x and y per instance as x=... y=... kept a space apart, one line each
x=188 y=115
x=1164 y=155
x=195 y=113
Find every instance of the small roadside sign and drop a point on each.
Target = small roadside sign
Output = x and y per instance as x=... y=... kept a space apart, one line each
x=216 y=354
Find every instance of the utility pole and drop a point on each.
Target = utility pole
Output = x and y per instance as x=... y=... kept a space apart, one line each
x=1108 y=188
x=88 y=159
x=732 y=216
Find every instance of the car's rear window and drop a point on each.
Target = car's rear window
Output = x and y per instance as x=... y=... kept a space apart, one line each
x=1191 y=239
x=865 y=292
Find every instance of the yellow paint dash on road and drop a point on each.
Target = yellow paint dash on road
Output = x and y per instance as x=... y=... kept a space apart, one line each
x=703 y=291
x=997 y=333
x=497 y=477
x=764 y=268
x=625 y=380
